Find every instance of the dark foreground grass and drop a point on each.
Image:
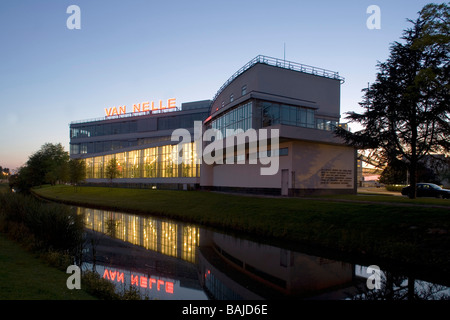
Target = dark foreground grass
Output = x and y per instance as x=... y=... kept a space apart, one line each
x=26 y=277
x=434 y=202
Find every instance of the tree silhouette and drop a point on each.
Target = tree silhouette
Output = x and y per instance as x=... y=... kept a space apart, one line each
x=407 y=108
x=77 y=171
x=112 y=169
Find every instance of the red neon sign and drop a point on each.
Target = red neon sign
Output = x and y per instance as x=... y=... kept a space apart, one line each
x=141 y=107
x=140 y=281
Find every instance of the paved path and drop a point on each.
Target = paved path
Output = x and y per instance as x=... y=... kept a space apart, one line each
x=379 y=191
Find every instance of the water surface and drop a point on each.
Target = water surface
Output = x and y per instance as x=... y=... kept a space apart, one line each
x=166 y=259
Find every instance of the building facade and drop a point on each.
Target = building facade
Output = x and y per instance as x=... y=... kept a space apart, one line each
x=297 y=106
x=141 y=145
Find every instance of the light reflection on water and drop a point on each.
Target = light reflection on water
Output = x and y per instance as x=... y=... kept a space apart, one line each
x=165 y=260
x=149 y=286
x=167 y=237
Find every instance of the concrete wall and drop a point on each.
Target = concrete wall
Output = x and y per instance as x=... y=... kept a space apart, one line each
x=301 y=89
x=312 y=167
x=323 y=166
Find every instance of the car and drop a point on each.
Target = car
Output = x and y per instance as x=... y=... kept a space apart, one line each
x=428 y=190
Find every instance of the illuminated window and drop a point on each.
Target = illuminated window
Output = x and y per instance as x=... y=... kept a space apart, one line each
x=150 y=162
x=169 y=239
x=325 y=124
x=83 y=148
x=89 y=168
x=153 y=234
x=133 y=229
x=99 y=168
x=133 y=164
x=157 y=162
x=168 y=164
x=190 y=167
x=121 y=230
x=121 y=158
x=191 y=238
x=150 y=234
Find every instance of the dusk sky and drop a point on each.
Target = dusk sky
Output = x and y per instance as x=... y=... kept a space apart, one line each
x=132 y=51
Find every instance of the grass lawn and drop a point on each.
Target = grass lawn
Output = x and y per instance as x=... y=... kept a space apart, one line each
x=380 y=198
x=25 y=277
x=385 y=227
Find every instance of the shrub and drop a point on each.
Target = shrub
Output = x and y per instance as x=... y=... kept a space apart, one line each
x=395 y=187
x=51 y=226
x=92 y=283
x=57 y=259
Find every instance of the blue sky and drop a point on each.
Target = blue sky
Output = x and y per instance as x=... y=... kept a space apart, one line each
x=132 y=51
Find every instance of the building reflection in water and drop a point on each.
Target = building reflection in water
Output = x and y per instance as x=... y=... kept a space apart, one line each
x=229 y=268
x=184 y=256
x=239 y=269
x=167 y=237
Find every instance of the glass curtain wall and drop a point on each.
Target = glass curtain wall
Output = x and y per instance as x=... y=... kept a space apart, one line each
x=238 y=118
x=157 y=162
x=150 y=162
x=268 y=114
x=276 y=113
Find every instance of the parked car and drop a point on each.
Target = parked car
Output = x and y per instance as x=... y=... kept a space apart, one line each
x=428 y=190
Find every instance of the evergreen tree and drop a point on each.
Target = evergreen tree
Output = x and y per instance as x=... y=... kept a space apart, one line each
x=407 y=108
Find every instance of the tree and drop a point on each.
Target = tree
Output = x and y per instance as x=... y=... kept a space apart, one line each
x=4 y=173
x=77 y=171
x=21 y=182
x=445 y=174
x=48 y=165
x=112 y=169
x=407 y=108
x=394 y=173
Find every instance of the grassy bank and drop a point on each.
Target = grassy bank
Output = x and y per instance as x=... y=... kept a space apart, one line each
x=26 y=276
x=389 y=199
x=23 y=276
x=414 y=234
x=38 y=241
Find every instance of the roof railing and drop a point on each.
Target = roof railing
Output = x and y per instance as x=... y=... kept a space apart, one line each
x=281 y=63
x=126 y=115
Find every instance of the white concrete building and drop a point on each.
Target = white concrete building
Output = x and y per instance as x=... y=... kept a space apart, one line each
x=299 y=104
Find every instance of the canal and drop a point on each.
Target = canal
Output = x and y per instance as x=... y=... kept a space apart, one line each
x=170 y=260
